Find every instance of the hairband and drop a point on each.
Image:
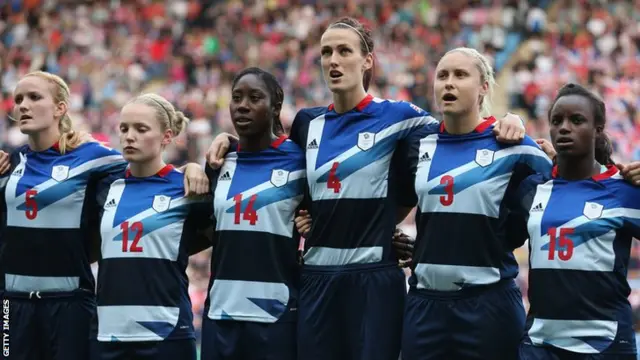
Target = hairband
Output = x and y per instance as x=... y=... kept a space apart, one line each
x=165 y=109
x=357 y=31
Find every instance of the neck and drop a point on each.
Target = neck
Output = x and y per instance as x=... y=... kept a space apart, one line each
x=147 y=168
x=343 y=102
x=462 y=123
x=574 y=168
x=44 y=140
x=256 y=143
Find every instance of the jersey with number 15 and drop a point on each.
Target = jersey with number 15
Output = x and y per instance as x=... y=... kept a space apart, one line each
x=48 y=208
x=254 y=269
x=580 y=235
x=352 y=167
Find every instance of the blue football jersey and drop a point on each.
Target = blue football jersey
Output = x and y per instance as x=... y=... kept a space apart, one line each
x=466 y=187
x=146 y=225
x=254 y=269
x=580 y=235
x=48 y=203
x=351 y=162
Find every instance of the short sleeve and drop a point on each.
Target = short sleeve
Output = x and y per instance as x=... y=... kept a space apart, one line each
x=533 y=157
x=630 y=197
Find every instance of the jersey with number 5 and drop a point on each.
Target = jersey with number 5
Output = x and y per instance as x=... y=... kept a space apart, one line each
x=254 y=269
x=580 y=234
x=466 y=187
x=48 y=206
x=352 y=167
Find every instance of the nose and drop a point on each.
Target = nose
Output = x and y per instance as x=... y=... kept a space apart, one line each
x=243 y=106
x=565 y=127
x=333 y=61
x=129 y=136
x=448 y=83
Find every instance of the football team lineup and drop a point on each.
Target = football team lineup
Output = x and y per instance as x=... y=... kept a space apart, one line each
x=342 y=178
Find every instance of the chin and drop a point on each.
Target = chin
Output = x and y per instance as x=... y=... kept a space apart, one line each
x=451 y=112
x=28 y=129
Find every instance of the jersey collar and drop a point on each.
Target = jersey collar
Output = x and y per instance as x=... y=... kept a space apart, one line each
x=609 y=172
x=361 y=105
x=162 y=173
x=275 y=144
x=488 y=121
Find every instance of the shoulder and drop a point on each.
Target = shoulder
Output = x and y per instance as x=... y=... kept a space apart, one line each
x=402 y=110
x=291 y=149
x=97 y=149
x=529 y=185
x=621 y=188
x=527 y=146
x=105 y=182
x=308 y=114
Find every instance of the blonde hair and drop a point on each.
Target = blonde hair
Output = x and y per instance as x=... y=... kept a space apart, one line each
x=166 y=113
x=486 y=75
x=69 y=138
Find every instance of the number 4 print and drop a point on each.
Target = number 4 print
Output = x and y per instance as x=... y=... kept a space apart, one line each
x=334 y=182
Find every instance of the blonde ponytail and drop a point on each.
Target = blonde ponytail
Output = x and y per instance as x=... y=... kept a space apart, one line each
x=166 y=113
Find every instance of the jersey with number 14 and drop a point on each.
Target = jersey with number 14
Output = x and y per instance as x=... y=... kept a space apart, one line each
x=580 y=234
x=254 y=268
x=352 y=169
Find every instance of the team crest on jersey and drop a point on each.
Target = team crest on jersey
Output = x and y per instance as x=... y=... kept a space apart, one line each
x=366 y=140
x=484 y=157
x=161 y=203
x=60 y=172
x=592 y=210
x=279 y=177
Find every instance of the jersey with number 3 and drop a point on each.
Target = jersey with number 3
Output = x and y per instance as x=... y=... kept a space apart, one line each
x=49 y=214
x=351 y=167
x=466 y=187
x=580 y=234
x=254 y=269
x=146 y=225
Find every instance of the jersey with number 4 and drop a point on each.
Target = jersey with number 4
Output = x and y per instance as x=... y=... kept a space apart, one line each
x=352 y=166
x=254 y=269
x=466 y=187
x=48 y=208
x=146 y=225
x=580 y=234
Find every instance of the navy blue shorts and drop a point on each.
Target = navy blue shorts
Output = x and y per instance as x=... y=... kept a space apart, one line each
x=531 y=352
x=144 y=350
x=245 y=340
x=54 y=326
x=354 y=313
x=481 y=324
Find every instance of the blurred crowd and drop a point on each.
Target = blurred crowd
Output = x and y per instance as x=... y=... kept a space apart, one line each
x=188 y=51
x=592 y=42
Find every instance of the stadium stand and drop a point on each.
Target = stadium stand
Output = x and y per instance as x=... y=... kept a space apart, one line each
x=188 y=51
